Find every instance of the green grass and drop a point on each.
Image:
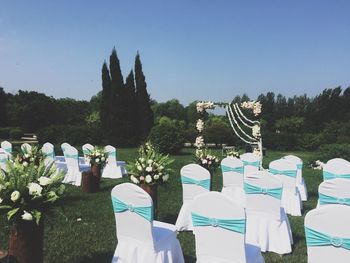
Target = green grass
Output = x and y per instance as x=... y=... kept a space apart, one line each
x=93 y=238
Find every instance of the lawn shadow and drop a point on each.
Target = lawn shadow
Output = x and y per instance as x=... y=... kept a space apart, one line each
x=189 y=259
x=97 y=257
x=171 y=219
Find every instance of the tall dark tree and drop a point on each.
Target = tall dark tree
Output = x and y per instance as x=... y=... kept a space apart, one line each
x=130 y=103
x=106 y=105
x=144 y=112
x=3 y=113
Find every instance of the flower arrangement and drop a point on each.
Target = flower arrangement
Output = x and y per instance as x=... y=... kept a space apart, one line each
x=202 y=106
x=97 y=156
x=151 y=167
x=206 y=159
x=317 y=165
x=256 y=131
x=30 y=156
x=232 y=153
x=254 y=105
x=201 y=110
x=28 y=189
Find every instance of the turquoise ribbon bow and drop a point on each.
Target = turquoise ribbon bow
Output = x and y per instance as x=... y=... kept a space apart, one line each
x=145 y=211
x=236 y=225
x=86 y=151
x=291 y=173
x=256 y=164
x=49 y=154
x=316 y=239
x=326 y=199
x=299 y=166
x=73 y=156
x=252 y=189
x=203 y=183
x=329 y=176
x=112 y=153
x=8 y=150
x=239 y=169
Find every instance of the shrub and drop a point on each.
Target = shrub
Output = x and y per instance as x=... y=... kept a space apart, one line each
x=5 y=133
x=168 y=137
x=16 y=133
x=309 y=141
x=330 y=151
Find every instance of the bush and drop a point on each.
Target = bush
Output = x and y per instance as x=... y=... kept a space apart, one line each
x=330 y=151
x=16 y=133
x=309 y=141
x=168 y=137
x=5 y=133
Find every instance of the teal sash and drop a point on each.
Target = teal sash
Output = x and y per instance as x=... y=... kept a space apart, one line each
x=328 y=176
x=203 y=183
x=8 y=150
x=290 y=173
x=49 y=154
x=73 y=156
x=3 y=158
x=86 y=151
x=145 y=211
x=326 y=199
x=112 y=154
x=316 y=239
x=256 y=164
x=236 y=225
x=252 y=189
x=299 y=166
x=239 y=169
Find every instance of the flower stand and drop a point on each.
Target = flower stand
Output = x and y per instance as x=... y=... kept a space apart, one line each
x=96 y=173
x=152 y=191
x=89 y=183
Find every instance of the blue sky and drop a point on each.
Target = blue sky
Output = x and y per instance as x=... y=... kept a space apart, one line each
x=190 y=49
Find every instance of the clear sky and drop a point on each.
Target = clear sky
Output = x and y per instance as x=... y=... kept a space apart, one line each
x=190 y=49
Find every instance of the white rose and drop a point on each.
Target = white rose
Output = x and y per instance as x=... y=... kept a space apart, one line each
x=15 y=195
x=26 y=155
x=165 y=177
x=139 y=168
x=1 y=200
x=134 y=179
x=44 y=180
x=27 y=216
x=156 y=176
x=103 y=159
x=148 y=179
x=149 y=169
x=25 y=164
x=204 y=161
x=150 y=161
x=35 y=189
x=97 y=160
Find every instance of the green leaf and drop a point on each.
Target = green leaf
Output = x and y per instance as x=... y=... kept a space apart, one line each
x=5 y=207
x=37 y=216
x=11 y=213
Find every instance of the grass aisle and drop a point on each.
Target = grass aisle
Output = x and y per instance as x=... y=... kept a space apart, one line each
x=84 y=231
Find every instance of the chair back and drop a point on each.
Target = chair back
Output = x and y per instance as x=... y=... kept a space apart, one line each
x=335 y=170
x=49 y=152
x=126 y=199
x=232 y=172
x=64 y=146
x=87 y=148
x=212 y=213
x=7 y=146
x=251 y=162
x=195 y=173
x=336 y=191
x=338 y=160
x=3 y=159
x=327 y=234
x=112 y=155
x=26 y=147
x=286 y=172
x=72 y=158
x=263 y=194
x=299 y=164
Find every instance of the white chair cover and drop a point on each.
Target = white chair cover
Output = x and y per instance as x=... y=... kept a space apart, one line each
x=338 y=160
x=140 y=240
x=248 y=159
x=26 y=147
x=3 y=159
x=291 y=201
x=300 y=180
x=112 y=170
x=215 y=244
x=232 y=175
x=267 y=223
x=333 y=221
x=7 y=146
x=64 y=146
x=73 y=175
x=189 y=192
x=336 y=169
x=86 y=149
x=49 y=152
x=336 y=191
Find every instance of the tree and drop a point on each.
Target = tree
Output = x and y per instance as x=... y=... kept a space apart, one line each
x=130 y=115
x=106 y=102
x=3 y=113
x=144 y=114
x=172 y=109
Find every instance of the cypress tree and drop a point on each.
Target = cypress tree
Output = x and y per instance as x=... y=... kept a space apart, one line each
x=106 y=101
x=144 y=114
x=130 y=103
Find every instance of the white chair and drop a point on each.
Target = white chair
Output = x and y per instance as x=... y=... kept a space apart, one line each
x=73 y=175
x=219 y=230
x=286 y=172
x=195 y=180
x=334 y=170
x=338 y=160
x=140 y=238
x=7 y=146
x=49 y=153
x=251 y=162
x=300 y=180
x=267 y=223
x=26 y=147
x=327 y=234
x=232 y=174
x=87 y=148
x=3 y=159
x=336 y=191
x=111 y=169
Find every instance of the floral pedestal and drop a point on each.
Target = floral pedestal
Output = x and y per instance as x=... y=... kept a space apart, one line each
x=152 y=191
x=96 y=173
x=26 y=242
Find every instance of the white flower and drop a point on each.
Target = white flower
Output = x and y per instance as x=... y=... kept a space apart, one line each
x=256 y=131
x=150 y=161
x=139 y=168
x=44 y=180
x=25 y=164
x=165 y=177
x=103 y=159
x=15 y=195
x=148 y=179
x=134 y=179
x=26 y=155
x=1 y=200
x=160 y=167
x=149 y=169
x=156 y=176
x=97 y=160
x=35 y=189
x=200 y=125
x=27 y=216
x=204 y=161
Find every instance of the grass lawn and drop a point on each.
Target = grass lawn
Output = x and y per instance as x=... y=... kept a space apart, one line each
x=84 y=230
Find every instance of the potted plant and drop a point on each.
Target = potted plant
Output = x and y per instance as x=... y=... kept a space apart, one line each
x=150 y=169
x=27 y=191
x=209 y=161
x=97 y=158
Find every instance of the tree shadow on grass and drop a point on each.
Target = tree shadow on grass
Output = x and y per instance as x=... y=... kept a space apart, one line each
x=98 y=257
x=171 y=219
x=189 y=259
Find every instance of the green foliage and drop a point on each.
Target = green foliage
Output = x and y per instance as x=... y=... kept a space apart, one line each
x=5 y=133
x=330 y=151
x=292 y=124
x=15 y=133
x=168 y=136
x=172 y=109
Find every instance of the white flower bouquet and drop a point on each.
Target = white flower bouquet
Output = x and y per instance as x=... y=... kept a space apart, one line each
x=34 y=155
x=151 y=167
x=206 y=159
x=97 y=156
x=28 y=190
x=232 y=153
